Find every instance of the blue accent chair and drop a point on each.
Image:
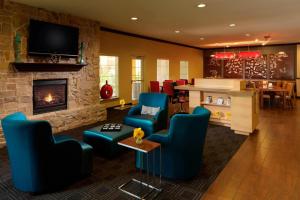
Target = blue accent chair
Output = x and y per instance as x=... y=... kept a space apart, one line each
x=39 y=161
x=181 y=146
x=148 y=123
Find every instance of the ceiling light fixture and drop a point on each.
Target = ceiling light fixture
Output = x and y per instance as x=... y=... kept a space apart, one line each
x=177 y=31
x=232 y=25
x=267 y=39
x=201 y=5
x=249 y=54
x=202 y=38
x=134 y=18
x=224 y=55
x=247 y=35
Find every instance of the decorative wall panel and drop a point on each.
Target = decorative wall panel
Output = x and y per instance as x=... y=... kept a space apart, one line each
x=214 y=68
x=275 y=63
x=233 y=68
x=256 y=68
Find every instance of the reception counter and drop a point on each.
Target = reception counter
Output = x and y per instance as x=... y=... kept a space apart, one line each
x=229 y=102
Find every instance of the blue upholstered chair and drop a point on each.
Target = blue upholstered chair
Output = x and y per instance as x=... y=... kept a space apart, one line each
x=181 y=146
x=149 y=123
x=40 y=162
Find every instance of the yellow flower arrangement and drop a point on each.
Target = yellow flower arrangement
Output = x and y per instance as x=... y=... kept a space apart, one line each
x=228 y=115
x=138 y=135
x=122 y=102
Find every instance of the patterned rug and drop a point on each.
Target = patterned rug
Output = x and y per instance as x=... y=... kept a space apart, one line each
x=108 y=174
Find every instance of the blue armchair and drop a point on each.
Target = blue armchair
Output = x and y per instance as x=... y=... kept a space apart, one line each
x=40 y=162
x=181 y=146
x=149 y=123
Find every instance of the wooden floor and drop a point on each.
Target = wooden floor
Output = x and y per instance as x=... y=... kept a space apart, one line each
x=267 y=166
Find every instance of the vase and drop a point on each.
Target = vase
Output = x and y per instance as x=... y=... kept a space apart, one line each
x=81 y=53
x=138 y=140
x=106 y=91
x=17 y=47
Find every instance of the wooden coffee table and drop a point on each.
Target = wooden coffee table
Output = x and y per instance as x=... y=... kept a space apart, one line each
x=146 y=147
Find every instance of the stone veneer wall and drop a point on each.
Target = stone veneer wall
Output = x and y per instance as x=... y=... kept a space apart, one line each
x=16 y=87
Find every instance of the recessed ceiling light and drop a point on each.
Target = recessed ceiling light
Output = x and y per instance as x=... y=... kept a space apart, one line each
x=202 y=38
x=227 y=46
x=247 y=34
x=232 y=25
x=256 y=40
x=177 y=31
x=201 y=5
x=134 y=18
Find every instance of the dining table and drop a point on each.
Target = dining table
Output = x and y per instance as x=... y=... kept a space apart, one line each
x=274 y=89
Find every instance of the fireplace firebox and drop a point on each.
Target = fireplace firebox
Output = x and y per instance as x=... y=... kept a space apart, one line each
x=49 y=95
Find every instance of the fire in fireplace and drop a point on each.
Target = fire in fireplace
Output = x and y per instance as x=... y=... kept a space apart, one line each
x=49 y=95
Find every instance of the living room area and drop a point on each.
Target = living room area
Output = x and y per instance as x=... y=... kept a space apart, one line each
x=92 y=109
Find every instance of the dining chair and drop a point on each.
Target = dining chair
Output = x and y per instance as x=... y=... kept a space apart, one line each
x=169 y=81
x=266 y=97
x=168 y=89
x=181 y=95
x=289 y=97
x=154 y=86
x=185 y=81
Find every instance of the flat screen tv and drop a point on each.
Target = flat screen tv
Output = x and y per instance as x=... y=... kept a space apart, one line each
x=52 y=39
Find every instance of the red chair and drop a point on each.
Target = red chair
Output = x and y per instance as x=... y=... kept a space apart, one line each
x=169 y=81
x=168 y=88
x=181 y=96
x=185 y=81
x=181 y=82
x=154 y=86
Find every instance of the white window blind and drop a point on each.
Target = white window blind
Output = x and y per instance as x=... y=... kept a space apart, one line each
x=109 y=72
x=137 y=78
x=162 y=70
x=184 y=70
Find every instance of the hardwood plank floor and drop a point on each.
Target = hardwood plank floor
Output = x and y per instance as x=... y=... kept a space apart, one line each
x=267 y=166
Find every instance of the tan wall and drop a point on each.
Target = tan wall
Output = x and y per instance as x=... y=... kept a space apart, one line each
x=126 y=47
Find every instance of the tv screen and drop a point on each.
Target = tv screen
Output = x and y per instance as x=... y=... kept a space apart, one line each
x=47 y=38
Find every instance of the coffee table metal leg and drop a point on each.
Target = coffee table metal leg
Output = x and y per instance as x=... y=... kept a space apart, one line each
x=141 y=170
x=160 y=165
x=153 y=166
x=147 y=167
x=150 y=187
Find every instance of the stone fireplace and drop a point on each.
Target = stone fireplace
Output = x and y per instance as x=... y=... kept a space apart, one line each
x=49 y=95
x=78 y=101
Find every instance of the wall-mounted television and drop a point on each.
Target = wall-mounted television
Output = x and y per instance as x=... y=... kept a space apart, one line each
x=52 y=39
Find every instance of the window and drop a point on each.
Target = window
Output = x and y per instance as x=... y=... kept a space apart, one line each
x=109 y=72
x=162 y=70
x=184 y=70
x=137 y=78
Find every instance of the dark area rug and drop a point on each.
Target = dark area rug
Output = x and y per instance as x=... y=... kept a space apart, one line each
x=108 y=174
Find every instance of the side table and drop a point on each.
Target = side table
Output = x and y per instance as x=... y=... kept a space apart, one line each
x=123 y=108
x=146 y=147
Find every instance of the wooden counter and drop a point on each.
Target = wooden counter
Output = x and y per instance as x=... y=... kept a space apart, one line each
x=239 y=109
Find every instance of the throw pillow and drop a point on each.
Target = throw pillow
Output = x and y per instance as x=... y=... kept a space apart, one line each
x=147 y=110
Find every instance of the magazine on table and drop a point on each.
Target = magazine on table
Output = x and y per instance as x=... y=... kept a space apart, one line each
x=111 y=127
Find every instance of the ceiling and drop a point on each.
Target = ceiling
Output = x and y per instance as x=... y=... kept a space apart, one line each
x=279 y=19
